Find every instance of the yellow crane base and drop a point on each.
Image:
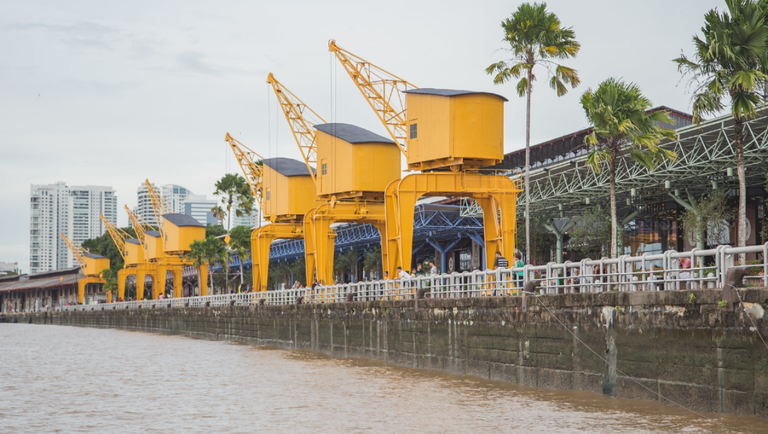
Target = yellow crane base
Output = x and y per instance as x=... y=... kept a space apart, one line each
x=319 y=240
x=261 y=240
x=496 y=194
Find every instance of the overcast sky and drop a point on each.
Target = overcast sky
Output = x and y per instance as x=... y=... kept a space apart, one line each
x=111 y=93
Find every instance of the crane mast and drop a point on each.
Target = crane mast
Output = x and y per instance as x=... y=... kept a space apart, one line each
x=301 y=119
x=159 y=206
x=118 y=236
x=77 y=251
x=383 y=90
x=250 y=163
x=139 y=226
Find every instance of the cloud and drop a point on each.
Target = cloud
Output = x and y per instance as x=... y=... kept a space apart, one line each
x=194 y=61
x=80 y=35
x=98 y=86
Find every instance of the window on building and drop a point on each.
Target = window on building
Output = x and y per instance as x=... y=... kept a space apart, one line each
x=325 y=168
x=413 y=131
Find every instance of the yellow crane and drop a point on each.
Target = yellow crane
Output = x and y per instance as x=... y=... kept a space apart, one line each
x=144 y=267
x=130 y=249
x=449 y=134
x=355 y=168
x=90 y=264
x=284 y=191
x=167 y=247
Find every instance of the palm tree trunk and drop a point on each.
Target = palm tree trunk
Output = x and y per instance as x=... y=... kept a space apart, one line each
x=738 y=128
x=614 y=223
x=527 y=171
x=210 y=279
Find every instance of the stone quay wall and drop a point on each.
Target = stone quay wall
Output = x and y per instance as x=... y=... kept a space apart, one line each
x=647 y=345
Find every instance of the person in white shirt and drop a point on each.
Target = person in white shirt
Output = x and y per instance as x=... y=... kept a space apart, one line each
x=432 y=268
x=402 y=274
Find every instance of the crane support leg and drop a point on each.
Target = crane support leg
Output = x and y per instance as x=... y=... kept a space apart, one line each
x=264 y=237
x=324 y=241
x=493 y=192
x=203 y=280
x=178 y=279
x=121 y=276
x=310 y=247
x=158 y=283
x=81 y=287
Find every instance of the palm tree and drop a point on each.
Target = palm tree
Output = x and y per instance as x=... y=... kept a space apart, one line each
x=622 y=124
x=535 y=37
x=729 y=61
x=215 y=250
x=197 y=253
x=232 y=187
x=240 y=243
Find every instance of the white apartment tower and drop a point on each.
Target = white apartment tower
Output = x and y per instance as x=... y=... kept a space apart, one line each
x=56 y=209
x=175 y=195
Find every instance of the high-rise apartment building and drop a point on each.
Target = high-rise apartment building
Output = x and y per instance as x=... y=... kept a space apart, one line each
x=57 y=209
x=174 y=195
x=199 y=208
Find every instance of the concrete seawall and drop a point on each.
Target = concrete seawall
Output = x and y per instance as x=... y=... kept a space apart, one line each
x=662 y=344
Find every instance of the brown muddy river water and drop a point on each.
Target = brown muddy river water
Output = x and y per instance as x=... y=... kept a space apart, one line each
x=81 y=380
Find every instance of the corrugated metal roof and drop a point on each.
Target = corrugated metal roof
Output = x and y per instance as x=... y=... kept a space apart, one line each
x=132 y=241
x=287 y=166
x=43 y=280
x=182 y=220
x=450 y=92
x=352 y=134
x=93 y=256
x=155 y=234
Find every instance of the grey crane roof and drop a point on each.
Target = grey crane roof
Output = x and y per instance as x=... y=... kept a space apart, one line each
x=132 y=241
x=152 y=233
x=287 y=166
x=450 y=92
x=352 y=134
x=182 y=220
x=92 y=256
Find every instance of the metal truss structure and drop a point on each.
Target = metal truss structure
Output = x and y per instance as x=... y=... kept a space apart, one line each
x=431 y=222
x=704 y=153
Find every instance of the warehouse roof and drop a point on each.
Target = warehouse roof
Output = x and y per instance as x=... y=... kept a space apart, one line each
x=42 y=280
x=287 y=166
x=450 y=92
x=182 y=220
x=352 y=134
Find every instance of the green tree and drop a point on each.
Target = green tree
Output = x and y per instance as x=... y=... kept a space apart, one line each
x=240 y=244
x=592 y=232
x=215 y=230
x=535 y=37
x=372 y=260
x=215 y=250
x=345 y=261
x=730 y=62
x=198 y=254
x=298 y=270
x=110 y=280
x=232 y=187
x=705 y=219
x=621 y=124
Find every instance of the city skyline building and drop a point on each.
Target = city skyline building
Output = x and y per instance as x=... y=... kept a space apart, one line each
x=198 y=206
x=9 y=267
x=74 y=211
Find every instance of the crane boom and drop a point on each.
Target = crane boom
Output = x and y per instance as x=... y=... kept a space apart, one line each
x=118 y=235
x=159 y=206
x=301 y=119
x=383 y=90
x=77 y=251
x=139 y=226
x=250 y=163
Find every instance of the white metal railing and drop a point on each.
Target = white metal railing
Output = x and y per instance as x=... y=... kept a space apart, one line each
x=626 y=273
